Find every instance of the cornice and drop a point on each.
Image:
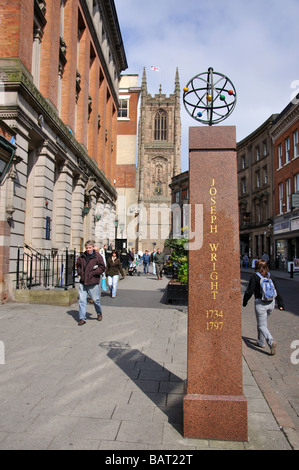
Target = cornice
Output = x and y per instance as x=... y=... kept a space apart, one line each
x=285 y=122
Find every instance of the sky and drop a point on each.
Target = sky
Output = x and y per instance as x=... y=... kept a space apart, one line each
x=255 y=44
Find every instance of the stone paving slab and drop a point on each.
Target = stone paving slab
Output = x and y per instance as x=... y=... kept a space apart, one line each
x=111 y=385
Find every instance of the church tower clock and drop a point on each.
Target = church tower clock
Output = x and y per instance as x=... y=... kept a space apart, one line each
x=159 y=159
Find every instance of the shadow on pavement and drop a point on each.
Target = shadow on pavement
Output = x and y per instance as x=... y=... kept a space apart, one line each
x=251 y=344
x=152 y=378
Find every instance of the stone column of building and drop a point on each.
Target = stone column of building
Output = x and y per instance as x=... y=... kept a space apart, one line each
x=62 y=208
x=7 y=210
x=93 y=203
x=77 y=211
x=111 y=227
x=99 y=213
x=39 y=202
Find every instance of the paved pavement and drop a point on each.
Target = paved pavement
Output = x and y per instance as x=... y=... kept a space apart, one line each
x=112 y=385
x=277 y=376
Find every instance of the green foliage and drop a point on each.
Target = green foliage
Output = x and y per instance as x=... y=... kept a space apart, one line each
x=179 y=257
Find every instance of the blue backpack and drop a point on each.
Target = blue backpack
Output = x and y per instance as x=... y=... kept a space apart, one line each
x=268 y=289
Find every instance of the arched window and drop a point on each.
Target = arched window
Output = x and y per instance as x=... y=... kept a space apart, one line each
x=161 y=125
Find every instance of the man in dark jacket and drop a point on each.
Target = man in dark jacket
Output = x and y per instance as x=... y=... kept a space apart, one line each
x=90 y=266
x=160 y=260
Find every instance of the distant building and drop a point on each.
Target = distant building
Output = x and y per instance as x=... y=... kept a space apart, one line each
x=126 y=162
x=285 y=136
x=60 y=64
x=159 y=159
x=255 y=188
x=180 y=202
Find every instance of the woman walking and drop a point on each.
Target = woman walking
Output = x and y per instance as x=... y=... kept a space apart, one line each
x=113 y=268
x=264 y=303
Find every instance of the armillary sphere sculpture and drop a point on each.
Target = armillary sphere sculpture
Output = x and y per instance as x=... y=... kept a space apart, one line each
x=210 y=97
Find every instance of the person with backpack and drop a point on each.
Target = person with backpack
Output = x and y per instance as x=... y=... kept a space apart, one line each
x=266 y=293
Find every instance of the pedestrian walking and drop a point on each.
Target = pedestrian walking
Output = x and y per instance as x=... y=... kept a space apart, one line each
x=146 y=261
x=153 y=256
x=160 y=260
x=265 y=292
x=266 y=258
x=113 y=268
x=131 y=257
x=90 y=266
x=245 y=260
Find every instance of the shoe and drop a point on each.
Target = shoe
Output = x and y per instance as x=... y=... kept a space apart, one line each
x=259 y=345
x=273 y=348
x=113 y=296
x=100 y=317
x=81 y=322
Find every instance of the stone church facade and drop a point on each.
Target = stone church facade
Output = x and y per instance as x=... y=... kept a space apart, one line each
x=159 y=160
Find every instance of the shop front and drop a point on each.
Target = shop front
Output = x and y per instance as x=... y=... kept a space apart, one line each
x=286 y=235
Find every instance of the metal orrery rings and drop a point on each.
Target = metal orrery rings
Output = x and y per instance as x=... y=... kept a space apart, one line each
x=210 y=97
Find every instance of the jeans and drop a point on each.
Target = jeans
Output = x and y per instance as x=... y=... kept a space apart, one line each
x=94 y=293
x=145 y=268
x=159 y=269
x=154 y=267
x=262 y=311
x=112 y=282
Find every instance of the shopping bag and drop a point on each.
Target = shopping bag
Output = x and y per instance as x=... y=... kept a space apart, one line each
x=104 y=283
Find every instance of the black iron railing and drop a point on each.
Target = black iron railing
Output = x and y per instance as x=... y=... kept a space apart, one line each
x=35 y=269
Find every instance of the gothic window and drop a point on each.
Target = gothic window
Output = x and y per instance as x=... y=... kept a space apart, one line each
x=160 y=125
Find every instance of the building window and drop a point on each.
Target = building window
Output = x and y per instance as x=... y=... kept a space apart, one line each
x=296 y=145
x=243 y=185
x=257 y=212
x=288 y=194
x=280 y=156
x=280 y=195
x=123 y=111
x=265 y=175
x=265 y=148
x=296 y=183
x=258 y=179
x=243 y=162
x=257 y=154
x=287 y=148
x=266 y=210
x=160 y=125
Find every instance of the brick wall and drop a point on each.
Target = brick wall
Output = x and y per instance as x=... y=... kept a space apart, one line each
x=16 y=35
x=288 y=170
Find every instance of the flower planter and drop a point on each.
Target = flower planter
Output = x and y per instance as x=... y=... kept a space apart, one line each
x=177 y=291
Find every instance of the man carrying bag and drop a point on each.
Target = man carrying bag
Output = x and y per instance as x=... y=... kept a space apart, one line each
x=90 y=266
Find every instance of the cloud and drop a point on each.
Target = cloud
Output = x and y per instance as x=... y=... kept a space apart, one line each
x=254 y=43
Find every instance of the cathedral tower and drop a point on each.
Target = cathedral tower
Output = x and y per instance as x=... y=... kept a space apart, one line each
x=159 y=159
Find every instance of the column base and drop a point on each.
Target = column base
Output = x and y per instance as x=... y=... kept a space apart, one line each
x=220 y=417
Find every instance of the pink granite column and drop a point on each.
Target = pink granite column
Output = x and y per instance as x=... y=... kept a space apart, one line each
x=214 y=406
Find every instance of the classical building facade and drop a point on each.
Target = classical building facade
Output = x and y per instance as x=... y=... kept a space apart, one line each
x=255 y=181
x=180 y=202
x=285 y=136
x=60 y=64
x=159 y=159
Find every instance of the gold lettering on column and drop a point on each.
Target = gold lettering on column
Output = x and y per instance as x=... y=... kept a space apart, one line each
x=214 y=246
x=214 y=316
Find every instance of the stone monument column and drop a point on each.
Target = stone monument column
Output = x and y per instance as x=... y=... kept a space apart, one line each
x=214 y=406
